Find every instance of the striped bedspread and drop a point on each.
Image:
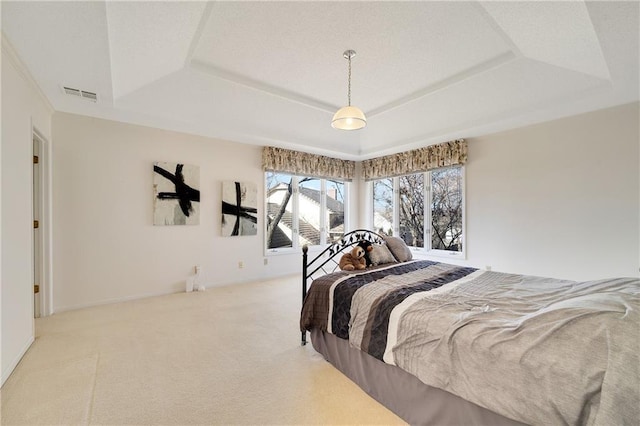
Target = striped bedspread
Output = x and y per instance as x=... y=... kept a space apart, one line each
x=537 y=350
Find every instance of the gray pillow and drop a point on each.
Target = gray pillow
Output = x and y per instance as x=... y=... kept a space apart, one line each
x=398 y=248
x=380 y=255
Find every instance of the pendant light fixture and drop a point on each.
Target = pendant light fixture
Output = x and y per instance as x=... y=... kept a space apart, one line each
x=349 y=117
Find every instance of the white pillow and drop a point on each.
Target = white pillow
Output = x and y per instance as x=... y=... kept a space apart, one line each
x=380 y=255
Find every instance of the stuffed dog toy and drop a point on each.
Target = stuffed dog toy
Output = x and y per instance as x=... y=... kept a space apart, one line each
x=353 y=260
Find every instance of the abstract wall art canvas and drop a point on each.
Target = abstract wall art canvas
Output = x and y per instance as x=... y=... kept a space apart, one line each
x=239 y=209
x=176 y=194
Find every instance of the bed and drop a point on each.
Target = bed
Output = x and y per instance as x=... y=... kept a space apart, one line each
x=445 y=344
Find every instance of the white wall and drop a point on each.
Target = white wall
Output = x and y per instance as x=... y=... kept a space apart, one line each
x=23 y=107
x=106 y=248
x=557 y=199
x=538 y=202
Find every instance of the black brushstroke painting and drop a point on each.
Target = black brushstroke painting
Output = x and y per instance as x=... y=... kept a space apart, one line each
x=183 y=192
x=238 y=211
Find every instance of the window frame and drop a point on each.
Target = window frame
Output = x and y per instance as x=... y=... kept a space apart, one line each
x=427 y=194
x=295 y=213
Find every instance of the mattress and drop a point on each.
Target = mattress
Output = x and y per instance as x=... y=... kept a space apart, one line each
x=532 y=349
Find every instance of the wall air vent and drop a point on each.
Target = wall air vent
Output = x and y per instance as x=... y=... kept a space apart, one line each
x=90 y=96
x=70 y=91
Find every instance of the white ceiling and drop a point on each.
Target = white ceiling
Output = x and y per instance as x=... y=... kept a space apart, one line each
x=273 y=73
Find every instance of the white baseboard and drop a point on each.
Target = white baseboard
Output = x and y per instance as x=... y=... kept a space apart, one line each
x=207 y=285
x=60 y=309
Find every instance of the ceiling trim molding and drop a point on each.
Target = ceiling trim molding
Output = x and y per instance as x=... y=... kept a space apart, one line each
x=488 y=17
x=266 y=88
x=474 y=127
x=531 y=53
x=206 y=14
x=19 y=65
x=473 y=71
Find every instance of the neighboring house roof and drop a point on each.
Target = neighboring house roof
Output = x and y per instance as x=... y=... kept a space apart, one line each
x=305 y=229
x=279 y=238
x=334 y=206
x=279 y=187
x=381 y=223
x=337 y=230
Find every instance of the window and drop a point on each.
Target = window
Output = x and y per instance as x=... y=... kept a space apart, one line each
x=383 y=205
x=411 y=214
x=426 y=210
x=334 y=214
x=446 y=209
x=303 y=210
x=279 y=222
x=310 y=221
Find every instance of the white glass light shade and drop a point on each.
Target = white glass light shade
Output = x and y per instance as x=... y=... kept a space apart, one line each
x=349 y=118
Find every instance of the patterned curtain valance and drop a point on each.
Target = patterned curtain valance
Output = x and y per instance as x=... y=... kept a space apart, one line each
x=445 y=154
x=305 y=164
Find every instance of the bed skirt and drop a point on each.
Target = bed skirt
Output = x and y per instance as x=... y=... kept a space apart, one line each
x=405 y=395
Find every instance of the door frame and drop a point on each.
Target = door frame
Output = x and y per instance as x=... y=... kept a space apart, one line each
x=45 y=243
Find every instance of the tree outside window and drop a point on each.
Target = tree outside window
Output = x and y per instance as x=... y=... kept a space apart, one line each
x=404 y=212
x=412 y=209
x=279 y=208
x=446 y=209
x=303 y=210
x=383 y=206
x=335 y=199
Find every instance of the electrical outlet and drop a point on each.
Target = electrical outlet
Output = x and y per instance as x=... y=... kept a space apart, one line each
x=197 y=269
x=240 y=265
x=488 y=267
x=266 y=261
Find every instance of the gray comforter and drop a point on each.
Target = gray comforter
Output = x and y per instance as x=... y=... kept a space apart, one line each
x=537 y=350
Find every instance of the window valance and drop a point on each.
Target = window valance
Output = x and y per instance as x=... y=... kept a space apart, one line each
x=305 y=164
x=432 y=157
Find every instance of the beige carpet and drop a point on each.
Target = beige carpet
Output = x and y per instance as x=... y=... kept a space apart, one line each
x=230 y=355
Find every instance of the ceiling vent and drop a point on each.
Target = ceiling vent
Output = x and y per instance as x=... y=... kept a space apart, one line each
x=90 y=96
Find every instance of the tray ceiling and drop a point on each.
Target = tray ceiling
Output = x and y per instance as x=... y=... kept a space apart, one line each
x=273 y=72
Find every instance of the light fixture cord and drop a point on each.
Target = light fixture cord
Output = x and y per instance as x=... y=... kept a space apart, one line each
x=349 y=90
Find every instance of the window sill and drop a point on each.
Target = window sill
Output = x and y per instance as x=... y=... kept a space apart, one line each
x=440 y=254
